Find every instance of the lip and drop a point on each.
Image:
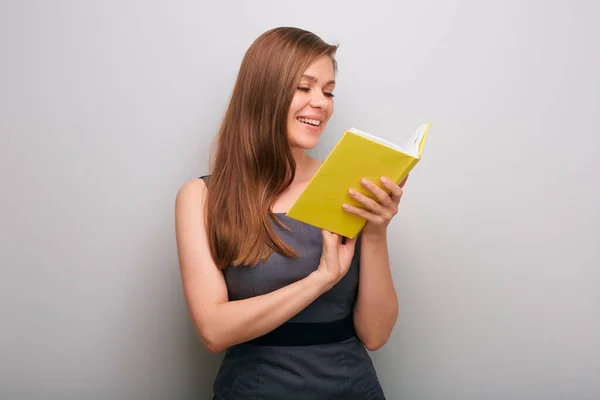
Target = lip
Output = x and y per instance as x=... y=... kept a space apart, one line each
x=311 y=128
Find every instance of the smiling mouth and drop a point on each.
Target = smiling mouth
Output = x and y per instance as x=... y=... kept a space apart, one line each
x=308 y=121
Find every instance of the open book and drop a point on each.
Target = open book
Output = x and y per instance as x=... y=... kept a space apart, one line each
x=357 y=155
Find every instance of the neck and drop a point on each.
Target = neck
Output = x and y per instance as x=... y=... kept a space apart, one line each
x=304 y=164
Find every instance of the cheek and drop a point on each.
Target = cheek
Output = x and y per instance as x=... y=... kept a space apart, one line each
x=330 y=111
x=296 y=104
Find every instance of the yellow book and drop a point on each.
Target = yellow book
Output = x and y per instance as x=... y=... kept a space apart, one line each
x=357 y=155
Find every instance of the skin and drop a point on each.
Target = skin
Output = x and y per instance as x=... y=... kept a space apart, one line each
x=221 y=323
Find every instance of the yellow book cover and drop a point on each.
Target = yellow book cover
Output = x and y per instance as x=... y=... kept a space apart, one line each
x=357 y=155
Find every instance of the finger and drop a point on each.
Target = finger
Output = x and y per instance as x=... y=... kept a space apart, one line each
x=331 y=238
x=361 y=212
x=395 y=190
x=366 y=201
x=379 y=193
x=351 y=242
x=349 y=248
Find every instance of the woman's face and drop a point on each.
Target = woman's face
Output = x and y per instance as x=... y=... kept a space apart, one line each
x=312 y=104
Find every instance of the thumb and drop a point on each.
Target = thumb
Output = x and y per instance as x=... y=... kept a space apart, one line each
x=351 y=243
x=330 y=238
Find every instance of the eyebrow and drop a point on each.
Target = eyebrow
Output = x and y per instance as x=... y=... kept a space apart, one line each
x=314 y=80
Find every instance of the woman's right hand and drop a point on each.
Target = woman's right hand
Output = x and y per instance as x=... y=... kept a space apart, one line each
x=335 y=257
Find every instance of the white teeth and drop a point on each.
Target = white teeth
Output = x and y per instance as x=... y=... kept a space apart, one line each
x=314 y=122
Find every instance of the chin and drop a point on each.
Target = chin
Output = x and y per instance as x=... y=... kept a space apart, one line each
x=306 y=143
x=305 y=139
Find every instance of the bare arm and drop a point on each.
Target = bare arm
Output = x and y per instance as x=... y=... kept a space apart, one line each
x=221 y=323
x=376 y=308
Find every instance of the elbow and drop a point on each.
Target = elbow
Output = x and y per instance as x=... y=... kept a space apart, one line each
x=210 y=340
x=375 y=344
x=374 y=341
x=212 y=347
x=213 y=336
x=213 y=350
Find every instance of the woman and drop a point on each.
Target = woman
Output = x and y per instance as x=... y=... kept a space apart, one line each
x=282 y=297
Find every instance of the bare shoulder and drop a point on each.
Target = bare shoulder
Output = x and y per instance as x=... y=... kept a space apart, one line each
x=193 y=190
x=189 y=214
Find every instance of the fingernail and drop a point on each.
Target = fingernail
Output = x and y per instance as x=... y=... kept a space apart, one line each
x=352 y=192
x=345 y=206
x=383 y=180
x=363 y=181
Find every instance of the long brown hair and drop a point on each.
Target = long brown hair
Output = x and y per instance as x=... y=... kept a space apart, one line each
x=253 y=163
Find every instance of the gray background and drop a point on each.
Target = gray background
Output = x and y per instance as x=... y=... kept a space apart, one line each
x=108 y=107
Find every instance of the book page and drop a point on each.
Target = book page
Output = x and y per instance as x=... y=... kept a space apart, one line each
x=412 y=146
x=379 y=140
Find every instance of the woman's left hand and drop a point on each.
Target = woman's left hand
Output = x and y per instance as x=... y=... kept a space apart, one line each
x=377 y=213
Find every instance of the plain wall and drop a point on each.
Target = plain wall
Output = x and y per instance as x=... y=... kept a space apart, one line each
x=108 y=107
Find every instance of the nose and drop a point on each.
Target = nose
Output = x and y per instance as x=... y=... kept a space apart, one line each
x=318 y=99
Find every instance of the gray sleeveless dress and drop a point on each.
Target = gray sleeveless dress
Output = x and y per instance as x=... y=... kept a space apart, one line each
x=335 y=369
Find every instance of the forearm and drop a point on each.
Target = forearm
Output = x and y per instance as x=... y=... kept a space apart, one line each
x=233 y=322
x=376 y=308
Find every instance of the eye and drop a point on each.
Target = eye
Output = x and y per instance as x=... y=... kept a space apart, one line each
x=303 y=89
x=329 y=94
